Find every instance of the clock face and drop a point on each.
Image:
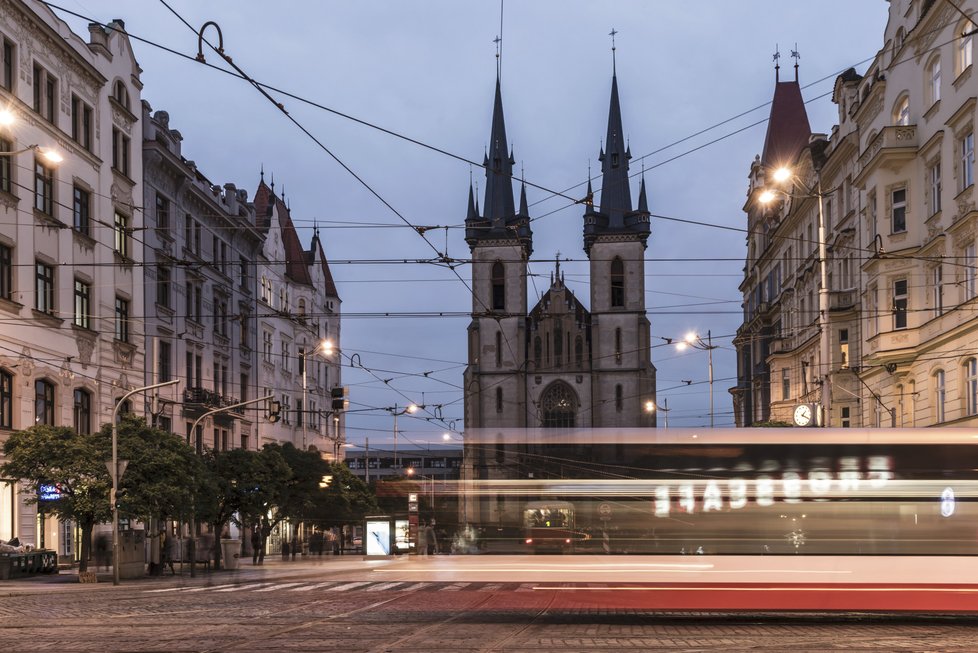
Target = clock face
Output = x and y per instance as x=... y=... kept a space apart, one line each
x=803 y=415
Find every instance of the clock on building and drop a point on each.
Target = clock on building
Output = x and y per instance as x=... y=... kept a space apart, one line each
x=804 y=415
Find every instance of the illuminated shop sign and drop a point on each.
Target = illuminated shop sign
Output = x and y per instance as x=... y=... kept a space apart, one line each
x=48 y=491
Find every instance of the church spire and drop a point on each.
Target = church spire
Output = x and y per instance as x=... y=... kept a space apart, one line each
x=616 y=197
x=499 y=206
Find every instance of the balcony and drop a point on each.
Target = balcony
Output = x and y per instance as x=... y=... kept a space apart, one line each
x=842 y=300
x=202 y=397
x=893 y=147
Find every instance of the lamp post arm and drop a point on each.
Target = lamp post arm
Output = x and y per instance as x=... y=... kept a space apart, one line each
x=115 y=470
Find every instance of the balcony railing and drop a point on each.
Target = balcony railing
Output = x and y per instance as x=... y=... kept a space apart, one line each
x=210 y=399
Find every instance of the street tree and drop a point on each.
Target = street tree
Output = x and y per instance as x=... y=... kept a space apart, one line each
x=74 y=463
x=345 y=500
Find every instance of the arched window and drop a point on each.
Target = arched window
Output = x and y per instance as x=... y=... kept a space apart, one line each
x=934 y=80
x=971 y=386
x=619 y=400
x=6 y=399
x=537 y=351
x=82 y=411
x=901 y=112
x=558 y=407
x=120 y=93
x=498 y=277
x=579 y=351
x=302 y=307
x=617 y=282
x=44 y=402
x=499 y=400
x=558 y=345
x=499 y=349
x=965 y=47
x=618 y=345
x=940 y=394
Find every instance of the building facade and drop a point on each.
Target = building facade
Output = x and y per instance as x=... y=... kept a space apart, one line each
x=298 y=308
x=897 y=343
x=201 y=248
x=70 y=241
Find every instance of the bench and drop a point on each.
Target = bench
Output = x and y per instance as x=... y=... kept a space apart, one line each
x=30 y=563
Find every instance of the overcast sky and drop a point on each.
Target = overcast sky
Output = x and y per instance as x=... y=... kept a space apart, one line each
x=426 y=69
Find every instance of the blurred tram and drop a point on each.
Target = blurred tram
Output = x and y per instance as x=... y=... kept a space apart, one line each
x=908 y=492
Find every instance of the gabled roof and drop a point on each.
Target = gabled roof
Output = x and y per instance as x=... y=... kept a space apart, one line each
x=329 y=286
x=788 y=129
x=295 y=259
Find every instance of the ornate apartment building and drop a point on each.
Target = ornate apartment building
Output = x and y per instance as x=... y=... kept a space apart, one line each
x=896 y=178
x=70 y=238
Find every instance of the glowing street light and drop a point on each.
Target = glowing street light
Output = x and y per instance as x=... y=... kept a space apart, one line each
x=696 y=342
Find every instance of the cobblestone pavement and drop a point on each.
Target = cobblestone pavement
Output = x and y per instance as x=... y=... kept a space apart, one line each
x=322 y=609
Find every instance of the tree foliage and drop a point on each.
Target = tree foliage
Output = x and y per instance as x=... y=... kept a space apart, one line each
x=346 y=499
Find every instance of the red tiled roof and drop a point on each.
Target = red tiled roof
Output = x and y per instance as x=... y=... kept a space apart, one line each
x=788 y=129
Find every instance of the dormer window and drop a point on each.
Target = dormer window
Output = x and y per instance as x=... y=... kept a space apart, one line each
x=614 y=159
x=120 y=93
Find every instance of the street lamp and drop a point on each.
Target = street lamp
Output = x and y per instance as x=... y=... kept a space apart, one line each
x=782 y=175
x=409 y=410
x=325 y=347
x=696 y=342
x=115 y=472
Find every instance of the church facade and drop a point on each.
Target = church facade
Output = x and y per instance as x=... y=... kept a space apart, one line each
x=566 y=364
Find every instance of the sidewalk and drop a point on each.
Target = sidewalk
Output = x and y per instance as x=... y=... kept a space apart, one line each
x=245 y=571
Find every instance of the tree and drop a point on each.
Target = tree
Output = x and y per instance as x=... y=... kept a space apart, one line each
x=298 y=495
x=346 y=499
x=76 y=463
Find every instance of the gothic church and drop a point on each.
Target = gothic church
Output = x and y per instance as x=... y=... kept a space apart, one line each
x=560 y=364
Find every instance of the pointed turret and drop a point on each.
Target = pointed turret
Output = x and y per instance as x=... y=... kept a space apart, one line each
x=499 y=169
x=614 y=214
x=500 y=220
x=616 y=197
x=643 y=203
x=524 y=209
x=788 y=129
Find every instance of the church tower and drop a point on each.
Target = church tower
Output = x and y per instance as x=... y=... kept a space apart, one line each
x=615 y=239
x=501 y=242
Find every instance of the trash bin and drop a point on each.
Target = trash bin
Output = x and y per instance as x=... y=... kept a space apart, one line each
x=230 y=550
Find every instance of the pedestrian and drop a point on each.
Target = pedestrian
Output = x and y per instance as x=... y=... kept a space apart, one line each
x=431 y=541
x=285 y=549
x=296 y=545
x=255 y=544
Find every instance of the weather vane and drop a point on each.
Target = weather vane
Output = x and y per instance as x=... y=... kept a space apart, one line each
x=612 y=34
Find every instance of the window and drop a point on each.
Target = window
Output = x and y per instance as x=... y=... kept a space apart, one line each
x=164 y=278
x=221 y=315
x=6 y=399
x=899 y=214
x=900 y=299
x=43 y=188
x=121 y=319
x=45 y=91
x=934 y=180
x=559 y=407
x=243 y=274
x=266 y=290
x=81 y=123
x=934 y=80
x=499 y=349
x=901 y=115
x=619 y=398
x=6 y=272
x=286 y=356
x=846 y=421
x=938 y=290
x=162 y=213
x=82 y=412
x=940 y=396
x=81 y=211
x=120 y=94
x=498 y=280
x=499 y=400
x=165 y=362
x=121 y=235
x=844 y=348
x=5 y=166
x=243 y=319
x=970 y=261
x=537 y=351
x=7 y=74
x=44 y=287
x=266 y=346
x=44 y=402
x=971 y=386
x=579 y=351
x=120 y=151
x=617 y=283
x=785 y=384
x=194 y=301
x=967 y=160
x=83 y=304
x=618 y=345
x=965 y=46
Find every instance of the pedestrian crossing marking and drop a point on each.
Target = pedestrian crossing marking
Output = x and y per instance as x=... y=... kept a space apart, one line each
x=349 y=586
x=346 y=586
x=383 y=587
x=250 y=586
x=455 y=587
x=216 y=588
x=317 y=586
x=277 y=586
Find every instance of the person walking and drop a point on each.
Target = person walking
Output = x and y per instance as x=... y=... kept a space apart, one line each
x=255 y=544
x=431 y=540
